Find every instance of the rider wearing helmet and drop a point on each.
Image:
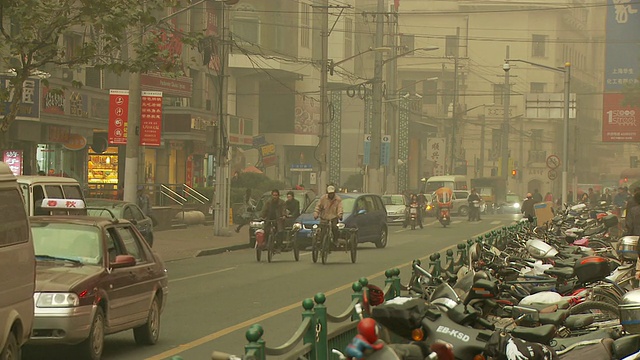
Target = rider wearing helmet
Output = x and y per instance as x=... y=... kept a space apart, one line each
x=329 y=210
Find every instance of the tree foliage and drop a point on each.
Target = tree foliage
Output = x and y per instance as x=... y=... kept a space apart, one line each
x=34 y=36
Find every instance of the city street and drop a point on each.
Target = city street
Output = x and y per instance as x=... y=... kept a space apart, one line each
x=214 y=299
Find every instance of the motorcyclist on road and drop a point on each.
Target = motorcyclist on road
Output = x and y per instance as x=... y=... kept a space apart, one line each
x=329 y=210
x=274 y=210
x=443 y=197
x=414 y=201
x=474 y=212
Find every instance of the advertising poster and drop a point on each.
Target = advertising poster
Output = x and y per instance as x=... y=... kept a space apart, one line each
x=13 y=158
x=151 y=121
x=623 y=44
x=118 y=114
x=619 y=123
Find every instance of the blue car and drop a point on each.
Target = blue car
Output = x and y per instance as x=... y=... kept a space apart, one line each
x=366 y=212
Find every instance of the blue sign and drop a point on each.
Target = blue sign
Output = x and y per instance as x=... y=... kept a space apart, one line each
x=301 y=167
x=623 y=44
x=367 y=150
x=385 y=150
x=29 y=108
x=259 y=140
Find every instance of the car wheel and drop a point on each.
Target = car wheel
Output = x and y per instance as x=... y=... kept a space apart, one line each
x=91 y=348
x=463 y=211
x=149 y=333
x=11 y=349
x=382 y=241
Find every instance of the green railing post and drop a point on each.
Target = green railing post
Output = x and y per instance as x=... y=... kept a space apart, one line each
x=434 y=264
x=357 y=294
x=462 y=254
x=449 y=261
x=489 y=238
x=322 y=344
x=388 y=282
x=255 y=346
x=470 y=243
x=310 y=336
x=396 y=285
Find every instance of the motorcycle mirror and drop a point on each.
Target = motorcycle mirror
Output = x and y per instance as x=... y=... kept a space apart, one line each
x=481 y=289
x=526 y=314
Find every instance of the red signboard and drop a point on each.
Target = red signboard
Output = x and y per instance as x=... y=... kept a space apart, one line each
x=118 y=113
x=13 y=158
x=619 y=122
x=180 y=86
x=151 y=120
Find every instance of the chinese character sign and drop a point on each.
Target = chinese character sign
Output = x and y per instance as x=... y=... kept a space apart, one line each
x=13 y=158
x=436 y=149
x=619 y=123
x=622 y=49
x=151 y=121
x=29 y=108
x=118 y=113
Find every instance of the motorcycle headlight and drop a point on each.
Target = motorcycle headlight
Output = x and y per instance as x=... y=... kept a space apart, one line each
x=315 y=226
x=340 y=226
x=297 y=226
x=429 y=207
x=257 y=224
x=59 y=300
x=516 y=205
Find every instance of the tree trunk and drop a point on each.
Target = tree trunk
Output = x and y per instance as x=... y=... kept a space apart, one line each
x=16 y=91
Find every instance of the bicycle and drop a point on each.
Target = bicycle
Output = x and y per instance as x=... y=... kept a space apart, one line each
x=321 y=247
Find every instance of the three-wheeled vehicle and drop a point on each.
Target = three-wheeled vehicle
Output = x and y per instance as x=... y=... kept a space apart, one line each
x=276 y=242
x=323 y=242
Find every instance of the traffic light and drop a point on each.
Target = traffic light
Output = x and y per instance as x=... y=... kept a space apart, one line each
x=514 y=173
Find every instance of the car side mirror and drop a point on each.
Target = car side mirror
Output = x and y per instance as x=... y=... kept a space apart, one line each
x=123 y=261
x=362 y=212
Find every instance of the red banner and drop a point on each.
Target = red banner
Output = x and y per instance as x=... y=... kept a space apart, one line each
x=151 y=120
x=118 y=113
x=619 y=122
x=13 y=158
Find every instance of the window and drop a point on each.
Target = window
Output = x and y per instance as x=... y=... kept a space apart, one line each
x=537 y=87
x=137 y=213
x=498 y=94
x=113 y=247
x=73 y=44
x=430 y=92
x=54 y=191
x=130 y=243
x=14 y=228
x=247 y=29
x=408 y=87
x=452 y=45
x=305 y=23
x=539 y=45
x=407 y=42
x=72 y=192
x=348 y=37
x=127 y=213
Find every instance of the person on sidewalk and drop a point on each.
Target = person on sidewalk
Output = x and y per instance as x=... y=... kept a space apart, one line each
x=329 y=210
x=528 y=209
x=143 y=201
x=248 y=211
x=273 y=210
x=292 y=209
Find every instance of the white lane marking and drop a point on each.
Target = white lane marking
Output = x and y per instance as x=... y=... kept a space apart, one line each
x=203 y=274
x=496 y=222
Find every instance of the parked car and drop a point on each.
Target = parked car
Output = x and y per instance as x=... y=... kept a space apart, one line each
x=18 y=266
x=511 y=205
x=396 y=206
x=366 y=212
x=94 y=276
x=304 y=197
x=122 y=210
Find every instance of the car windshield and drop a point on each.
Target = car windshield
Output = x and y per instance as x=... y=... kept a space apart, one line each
x=117 y=212
x=347 y=205
x=393 y=199
x=513 y=198
x=72 y=242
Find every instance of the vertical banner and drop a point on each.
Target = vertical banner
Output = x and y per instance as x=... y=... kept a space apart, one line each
x=620 y=123
x=151 y=118
x=436 y=149
x=622 y=44
x=189 y=171
x=385 y=150
x=118 y=113
x=366 y=159
x=13 y=158
x=335 y=137
x=403 y=145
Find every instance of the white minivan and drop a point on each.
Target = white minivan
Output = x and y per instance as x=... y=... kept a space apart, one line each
x=17 y=268
x=36 y=188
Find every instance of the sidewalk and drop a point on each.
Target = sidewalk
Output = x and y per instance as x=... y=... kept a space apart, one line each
x=196 y=240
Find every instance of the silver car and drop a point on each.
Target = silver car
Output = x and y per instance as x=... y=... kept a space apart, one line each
x=396 y=206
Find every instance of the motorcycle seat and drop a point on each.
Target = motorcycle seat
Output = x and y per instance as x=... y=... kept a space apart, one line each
x=549 y=307
x=561 y=273
x=538 y=289
x=565 y=263
x=541 y=334
x=579 y=321
x=556 y=318
x=595 y=230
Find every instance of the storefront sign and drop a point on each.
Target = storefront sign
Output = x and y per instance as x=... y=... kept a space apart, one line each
x=29 y=108
x=58 y=134
x=436 y=149
x=212 y=51
x=53 y=101
x=13 y=158
x=180 y=86
x=619 y=123
x=75 y=142
x=307 y=116
x=189 y=169
x=151 y=120
x=268 y=153
x=118 y=113
x=622 y=51
x=78 y=105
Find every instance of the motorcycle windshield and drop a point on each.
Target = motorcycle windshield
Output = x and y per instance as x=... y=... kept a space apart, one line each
x=444 y=290
x=464 y=284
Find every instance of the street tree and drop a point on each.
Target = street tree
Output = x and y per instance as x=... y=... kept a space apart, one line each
x=33 y=34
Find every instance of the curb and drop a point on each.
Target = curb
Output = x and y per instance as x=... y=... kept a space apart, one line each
x=221 y=250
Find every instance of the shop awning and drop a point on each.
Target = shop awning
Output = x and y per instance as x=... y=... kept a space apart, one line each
x=252 y=169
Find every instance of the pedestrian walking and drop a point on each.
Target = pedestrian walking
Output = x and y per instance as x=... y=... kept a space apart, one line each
x=528 y=209
x=143 y=201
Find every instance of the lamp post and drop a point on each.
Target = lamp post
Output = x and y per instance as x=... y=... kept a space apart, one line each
x=566 y=70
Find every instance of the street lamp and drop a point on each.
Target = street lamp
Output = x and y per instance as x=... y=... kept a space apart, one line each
x=332 y=65
x=566 y=70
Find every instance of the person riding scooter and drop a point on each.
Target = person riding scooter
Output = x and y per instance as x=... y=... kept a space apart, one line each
x=413 y=203
x=474 y=211
x=443 y=197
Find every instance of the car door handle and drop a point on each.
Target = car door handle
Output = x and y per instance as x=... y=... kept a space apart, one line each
x=132 y=275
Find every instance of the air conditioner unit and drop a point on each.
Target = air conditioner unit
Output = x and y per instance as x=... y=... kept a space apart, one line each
x=67 y=75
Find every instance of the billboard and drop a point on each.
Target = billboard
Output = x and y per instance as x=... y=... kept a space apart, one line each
x=151 y=118
x=620 y=123
x=623 y=44
x=118 y=115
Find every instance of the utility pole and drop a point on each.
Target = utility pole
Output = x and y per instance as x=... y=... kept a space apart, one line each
x=133 y=120
x=565 y=137
x=376 y=121
x=483 y=123
x=454 y=110
x=505 y=125
x=324 y=104
x=391 y=174
x=222 y=188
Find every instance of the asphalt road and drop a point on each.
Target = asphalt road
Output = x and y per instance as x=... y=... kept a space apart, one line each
x=214 y=299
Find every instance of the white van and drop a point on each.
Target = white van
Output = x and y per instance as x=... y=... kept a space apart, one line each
x=453 y=182
x=37 y=188
x=17 y=268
